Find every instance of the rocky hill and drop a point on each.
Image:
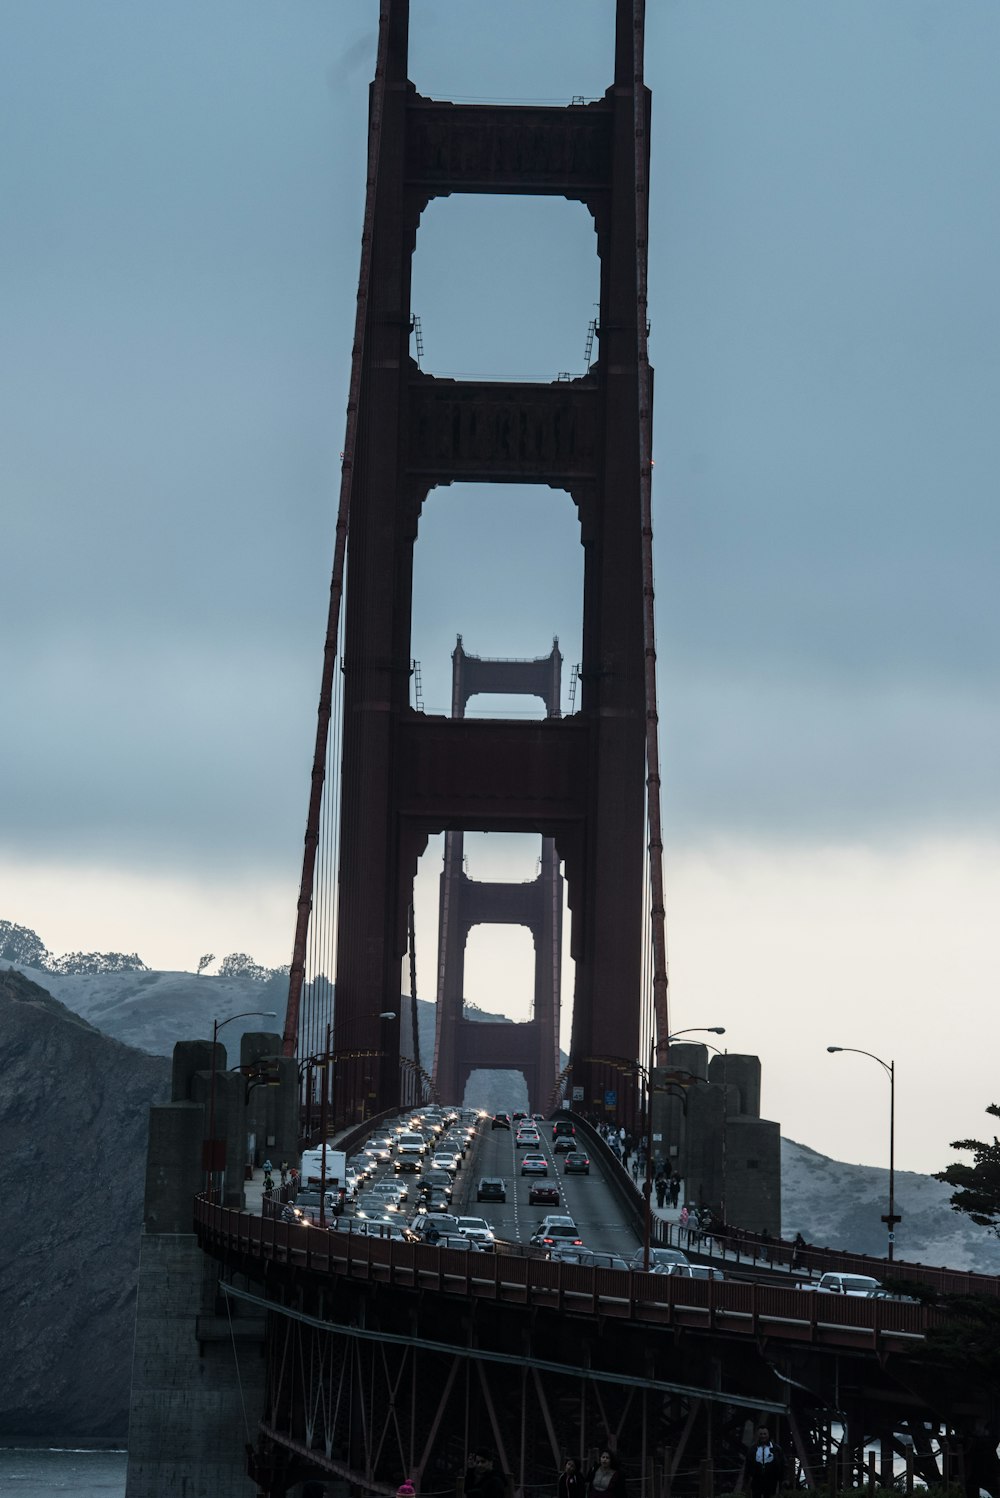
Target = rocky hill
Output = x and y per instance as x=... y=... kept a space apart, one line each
x=73 y=1117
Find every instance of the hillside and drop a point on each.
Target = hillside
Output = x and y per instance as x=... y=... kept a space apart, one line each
x=73 y=1115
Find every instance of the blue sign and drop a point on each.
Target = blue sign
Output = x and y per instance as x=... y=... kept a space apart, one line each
x=610 y=1099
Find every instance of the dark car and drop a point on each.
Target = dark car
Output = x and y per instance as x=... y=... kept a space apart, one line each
x=577 y=1164
x=564 y=1145
x=429 y=1226
x=403 y=1162
x=571 y=1254
x=543 y=1191
x=500 y=1121
x=491 y=1189
x=563 y=1126
x=435 y=1180
x=519 y=1115
x=658 y=1256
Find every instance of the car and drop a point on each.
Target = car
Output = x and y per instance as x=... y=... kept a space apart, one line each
x=518 y=1116
x=534 y=1164
x=376 y=1211
x=569 y=1253
x=659 y=1256
x=561 y=1127
x=577 y=1163
x=366 y=1228
x=446 y=1161
x=306 y=1196
x=836 y=1283
x=436 y=1180
x=429 y=1226
x=538 y=1118
x=491 y=1189
x=688 y=1271
x=479 y=1229
x=526 y=1141
x=462 y=1241
x=564 y=1145
x=543 y=1191
x=500 y=1121
x=547 y=1237
x=408 y=1161
x=391 y=1190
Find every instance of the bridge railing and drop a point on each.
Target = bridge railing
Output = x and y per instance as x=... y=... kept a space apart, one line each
x=759 y=1251
x=741 y=1308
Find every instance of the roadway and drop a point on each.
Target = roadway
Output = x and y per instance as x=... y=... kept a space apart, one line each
x=588 y=1199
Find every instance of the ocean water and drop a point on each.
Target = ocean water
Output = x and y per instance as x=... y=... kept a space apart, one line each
x=86 y=1474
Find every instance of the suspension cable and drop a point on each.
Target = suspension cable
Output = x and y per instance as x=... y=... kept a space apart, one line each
x=330 y=648
x=657 y=912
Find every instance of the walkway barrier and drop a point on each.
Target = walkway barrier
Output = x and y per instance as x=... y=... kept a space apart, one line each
x=730 y=1306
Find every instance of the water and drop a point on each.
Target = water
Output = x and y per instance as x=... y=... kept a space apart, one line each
x=42 y=1474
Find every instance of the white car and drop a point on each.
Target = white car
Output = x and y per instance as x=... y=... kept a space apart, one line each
x=479 y=1229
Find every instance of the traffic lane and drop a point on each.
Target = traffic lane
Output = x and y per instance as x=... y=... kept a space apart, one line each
x=588 y=1199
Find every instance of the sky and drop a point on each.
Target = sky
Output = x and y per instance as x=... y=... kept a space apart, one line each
x=182 y=192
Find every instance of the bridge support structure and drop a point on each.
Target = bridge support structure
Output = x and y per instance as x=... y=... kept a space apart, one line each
x=579 y=781
x=531 y=1046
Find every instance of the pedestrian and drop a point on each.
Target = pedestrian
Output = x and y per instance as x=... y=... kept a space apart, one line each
x=675 y=1189
x=486 y=1481
x=661 y=1190
x=406 y=1490
x=635 y=1170
x=604 y=1479
x=685 y=1215
x=283 y=1167
x=766 y=1465
x=571 y=1483
x=268 y=1184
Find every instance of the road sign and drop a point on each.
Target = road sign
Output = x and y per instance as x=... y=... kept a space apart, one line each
x=578 y=1094
x=610 y=1099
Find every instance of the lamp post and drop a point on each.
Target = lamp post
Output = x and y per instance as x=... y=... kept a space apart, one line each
x=891 y=1217
x=210 y=1160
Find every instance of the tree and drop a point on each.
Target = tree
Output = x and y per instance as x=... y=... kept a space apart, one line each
x=21 y=945
x=239 y=965
x=978 y=1184
x=204 y=962
x=98 y=962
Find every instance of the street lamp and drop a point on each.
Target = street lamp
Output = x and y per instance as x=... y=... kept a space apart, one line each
x=210 y=1154
x=889 y=1067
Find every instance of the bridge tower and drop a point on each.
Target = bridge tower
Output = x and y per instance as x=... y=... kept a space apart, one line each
x=578 y=781
x=532 y=1046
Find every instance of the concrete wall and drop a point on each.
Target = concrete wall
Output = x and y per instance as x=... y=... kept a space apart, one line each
x=187 y=1435
x=753 y=1175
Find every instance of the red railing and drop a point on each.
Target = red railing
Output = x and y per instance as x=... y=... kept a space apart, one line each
x=711 y=1305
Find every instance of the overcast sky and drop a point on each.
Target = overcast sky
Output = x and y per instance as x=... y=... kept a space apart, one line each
x=182 y=190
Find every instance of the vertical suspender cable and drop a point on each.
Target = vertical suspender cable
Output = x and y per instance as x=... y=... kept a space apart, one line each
x=657 y=912
x=330 y=648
